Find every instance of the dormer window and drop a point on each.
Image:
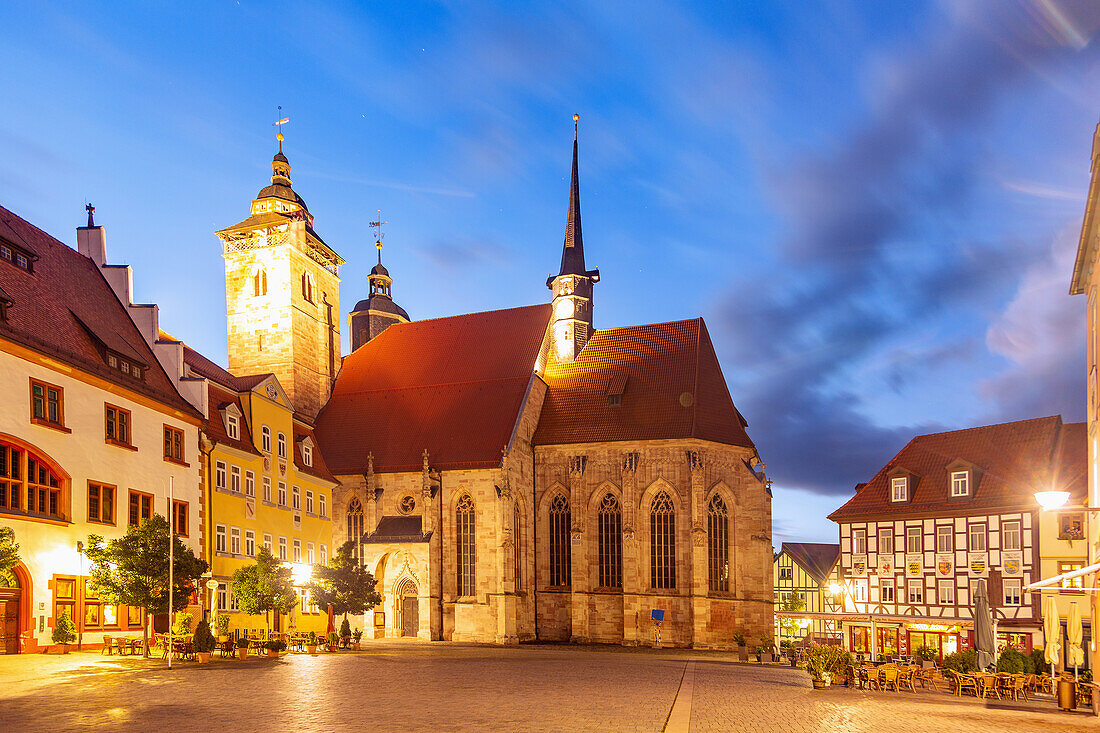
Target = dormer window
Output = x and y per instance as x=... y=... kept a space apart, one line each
x=128 y=368
x=307 y=455
x=899 y=488
x=17 y=257
x=233 y=426
x=960 y=483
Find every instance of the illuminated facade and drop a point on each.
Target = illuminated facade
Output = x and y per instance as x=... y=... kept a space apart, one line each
x=93 y=432
x=804 y=571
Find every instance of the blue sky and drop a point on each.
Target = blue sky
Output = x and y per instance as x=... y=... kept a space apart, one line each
x=874 y=206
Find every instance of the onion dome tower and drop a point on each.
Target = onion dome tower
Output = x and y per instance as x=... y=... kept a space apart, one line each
x=374 y=314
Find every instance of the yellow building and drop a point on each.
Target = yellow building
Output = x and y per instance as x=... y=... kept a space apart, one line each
x=803 y=570
x=266 y=485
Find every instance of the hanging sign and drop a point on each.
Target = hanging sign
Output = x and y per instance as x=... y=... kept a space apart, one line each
x=903 y=642
x=914 y=565
x=859 y=565
x=979 y=564
x=945 y=565
x=1012 y=563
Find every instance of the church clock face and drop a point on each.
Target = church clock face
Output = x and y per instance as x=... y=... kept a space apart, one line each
x=272 y=393
x=564 y=308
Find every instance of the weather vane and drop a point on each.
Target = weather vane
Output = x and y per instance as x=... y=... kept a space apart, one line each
x=278 y=125
x=379 y=235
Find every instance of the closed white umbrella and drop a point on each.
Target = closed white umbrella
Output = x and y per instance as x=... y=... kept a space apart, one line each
x=1052 y=633
x=1075 y=653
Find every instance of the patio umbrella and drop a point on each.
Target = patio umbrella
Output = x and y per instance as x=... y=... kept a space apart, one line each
x=1052 y=631
x=1075 y=653
x=331 y=620
x=983 y=628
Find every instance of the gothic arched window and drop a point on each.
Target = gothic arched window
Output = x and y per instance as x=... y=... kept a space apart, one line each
x=610 y=538
x=355 y=525
x=517 y=542
x=282 y=445
x=467 y=552
x=718 y=545
x=265 y=432
x=561 y=573
x=662 y=542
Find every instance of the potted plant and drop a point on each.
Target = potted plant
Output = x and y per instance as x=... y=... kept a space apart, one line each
x=356 y=635
x=311 y=643
x=786 y=648
x=927 y=655
x=766 y=650
x=204 y=642
x=345 y=633
x=64 y=631
x=739 y=640
x=826 y=664
x=817 y=666
x=223 y=627
x=333 y=641
x=242 y=647
x=182 y=627
x=274 y=647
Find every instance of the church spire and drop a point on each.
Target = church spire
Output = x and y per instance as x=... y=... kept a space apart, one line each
x=572 y=255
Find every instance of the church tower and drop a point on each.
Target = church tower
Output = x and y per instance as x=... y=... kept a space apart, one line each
x=375 y=314
x=282 y=292
x=572 y=286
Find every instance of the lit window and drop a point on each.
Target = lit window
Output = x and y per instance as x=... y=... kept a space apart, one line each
x=945 y=535
x=1010 y=536
x=946 y=592
x=1012 y=590
x=1071 y=584
x=859 y=541
x=913 y=543
x=560 y=523
x=977 y=538
x=960 y=483
x=899 y=488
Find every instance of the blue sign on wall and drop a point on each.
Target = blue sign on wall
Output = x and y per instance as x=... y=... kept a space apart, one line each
x=658 y=614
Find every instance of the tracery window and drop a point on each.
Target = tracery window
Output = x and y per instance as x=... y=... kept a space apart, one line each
x=355 y=525
x=610 y=539
x=561 y=573
x=464 y=521
x=718 y=557
x=662 y=544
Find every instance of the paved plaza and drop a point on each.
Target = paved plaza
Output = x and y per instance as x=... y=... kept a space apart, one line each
x=451 y=687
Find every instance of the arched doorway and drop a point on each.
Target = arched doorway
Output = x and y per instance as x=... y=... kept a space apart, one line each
x=408 y=608
x=11 y=597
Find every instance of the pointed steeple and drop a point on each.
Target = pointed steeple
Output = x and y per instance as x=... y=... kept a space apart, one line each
x=572 y=255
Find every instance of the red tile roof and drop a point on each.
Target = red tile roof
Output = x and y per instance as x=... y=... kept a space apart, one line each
x=319 y=467
x=217 y=399
x=815 y=558
x=206 y=368
x=672 y=387
x=1012 y=460
x=67 y=310
x=454 y=386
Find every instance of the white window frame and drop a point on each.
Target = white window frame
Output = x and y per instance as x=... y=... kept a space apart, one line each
x=1011 y=529
x=884 y=585
x=307 y=455
x=250 y=543
x=296 y=497
x=859 y=591
x=309 y=502
x=311 y=553
x=976 y=531
x=235 y=479
x=267 y=541
x=282 y=549
x=233 y=426
x=915 y=598
x=960 y=483
x=945 y=538
x=899 y=488
x=220 y=476
x=323 y=504
x=220 y=538
x=249 y=483
x=296 y=551
x=859 y=542
x=1013 y=591
x=945 y=591
x=886 y=540
x=281 y=442
x=912 y=533
x=235 y=540
x=265 y=439
x=282 y=493
x=267 y=489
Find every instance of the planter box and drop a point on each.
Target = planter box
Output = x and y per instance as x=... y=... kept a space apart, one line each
x=355 y=646
x=819 y=684
x=765 y=658
x=743 y=653
x=204 y=657
x=312 y=649
x=242 y=653
x=272 y=653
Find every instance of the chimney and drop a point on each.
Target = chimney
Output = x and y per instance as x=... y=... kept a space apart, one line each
x=91 y=241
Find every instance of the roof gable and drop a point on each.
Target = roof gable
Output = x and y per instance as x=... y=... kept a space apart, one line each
x=816 y=558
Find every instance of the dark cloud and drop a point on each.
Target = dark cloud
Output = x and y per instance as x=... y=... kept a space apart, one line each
x=853 y=210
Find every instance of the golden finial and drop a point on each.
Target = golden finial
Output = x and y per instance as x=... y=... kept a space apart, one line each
x=278 y=125
x=379 y=235
x=576 y=119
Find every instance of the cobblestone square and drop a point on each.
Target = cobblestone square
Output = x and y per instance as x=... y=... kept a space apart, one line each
x=451 y=687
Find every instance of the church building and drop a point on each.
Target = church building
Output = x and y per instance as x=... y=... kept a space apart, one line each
x=515 y=474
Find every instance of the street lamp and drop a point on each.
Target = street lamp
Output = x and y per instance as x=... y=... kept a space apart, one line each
x=1049 y=500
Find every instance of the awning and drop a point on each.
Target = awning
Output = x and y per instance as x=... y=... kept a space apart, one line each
x=1047 y=583
x=877 y=618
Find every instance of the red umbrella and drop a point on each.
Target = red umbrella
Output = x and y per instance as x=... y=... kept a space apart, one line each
x=331 y=620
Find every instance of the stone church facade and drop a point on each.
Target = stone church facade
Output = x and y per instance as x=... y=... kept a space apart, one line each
x=517 y=474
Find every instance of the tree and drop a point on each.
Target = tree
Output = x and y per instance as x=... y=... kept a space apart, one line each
x=792 y=604
x=9 y=551
x=344 y=583
x=133 y=569
x=64 y=630
x=264 y=586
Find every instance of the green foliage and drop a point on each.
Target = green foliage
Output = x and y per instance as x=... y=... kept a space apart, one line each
x=223 y=624
x=345 y=629
x=275 y=646
x=1086 y=675
x=926 y=653
x=357 y=635
x=264 y=586
x=9 y=550
x=1014 y=662
x=312 y=639
x=344 y=583
x=793 y=604
x=182 y=627
x=786 y=644
x=242 y=642
x=333 y=639
x=1039 y=661
x=739 y=638
x=827 y=662
x=64 y=631
x=961 y=661
x=133 y=570
x=203 y=640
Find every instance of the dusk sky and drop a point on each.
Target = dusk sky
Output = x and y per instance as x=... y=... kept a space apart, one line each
x=874 y=206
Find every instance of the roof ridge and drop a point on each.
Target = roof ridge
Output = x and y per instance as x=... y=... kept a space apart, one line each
x=420 y=321
x=438 y=384
x=991 y=425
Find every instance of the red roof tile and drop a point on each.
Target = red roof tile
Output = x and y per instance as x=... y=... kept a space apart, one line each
x=206 y=368
x=454 y=386
x=217 y=399
x=1012 y=460
x=66 y=309
x=319 y=467
x=672 y=387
